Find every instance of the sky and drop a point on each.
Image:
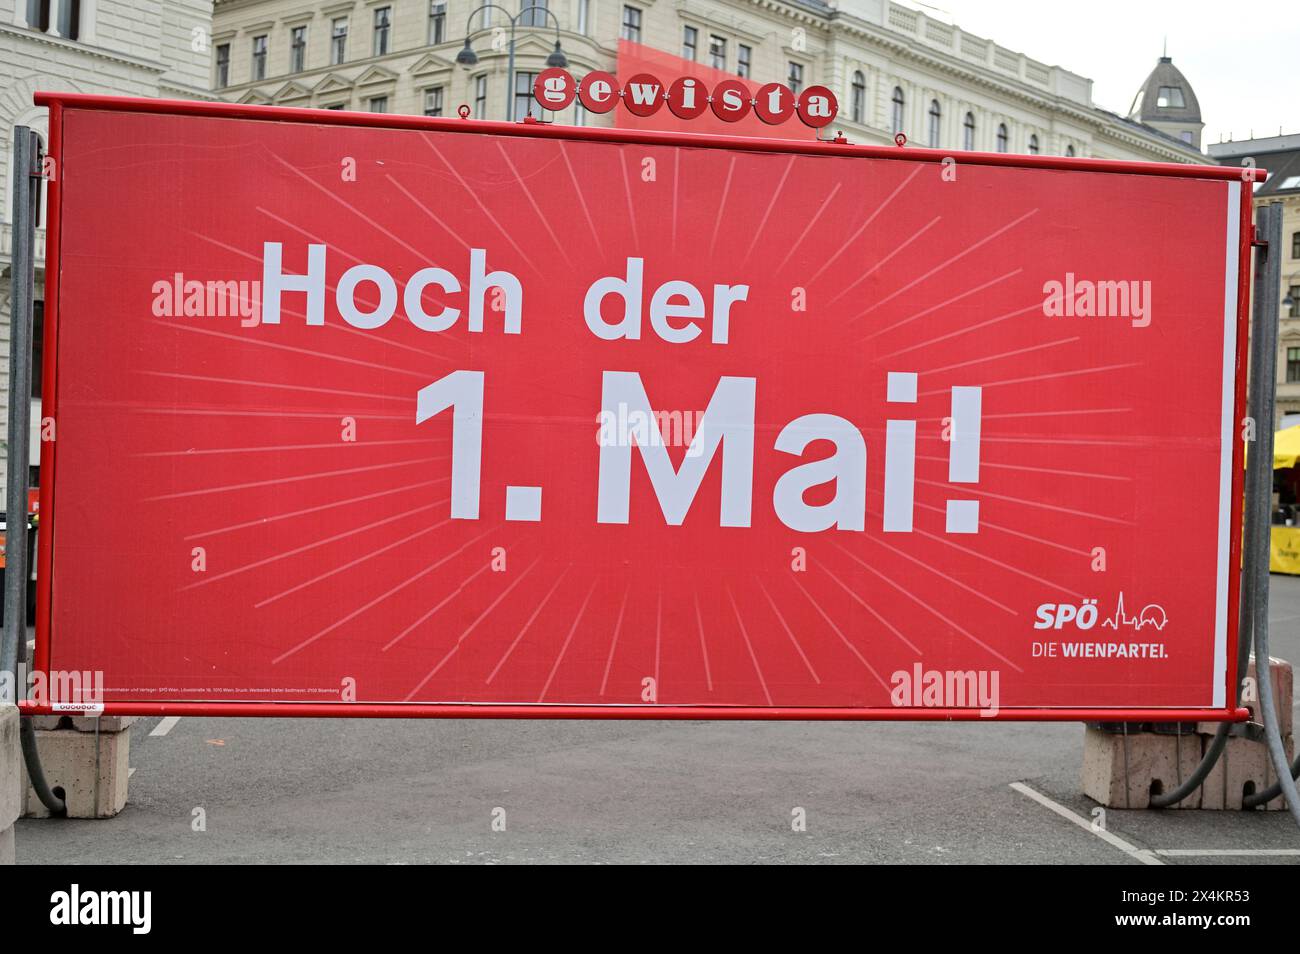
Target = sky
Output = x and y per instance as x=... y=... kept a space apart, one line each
x=1243 y=66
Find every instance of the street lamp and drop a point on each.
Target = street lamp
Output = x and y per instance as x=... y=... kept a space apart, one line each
x=469 y=59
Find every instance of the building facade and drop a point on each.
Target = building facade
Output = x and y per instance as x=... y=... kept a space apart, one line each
x=893 y=68
x=1280 y=155
x=158 y=48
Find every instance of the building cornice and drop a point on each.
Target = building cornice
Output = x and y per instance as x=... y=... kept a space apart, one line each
x=975 y=74
x=72 y=46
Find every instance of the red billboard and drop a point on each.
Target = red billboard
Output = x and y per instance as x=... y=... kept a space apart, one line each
x=381 y=415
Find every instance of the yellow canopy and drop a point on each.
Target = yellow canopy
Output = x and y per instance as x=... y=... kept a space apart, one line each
x=1286 y=447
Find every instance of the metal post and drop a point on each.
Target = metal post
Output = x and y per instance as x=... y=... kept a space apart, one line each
x=13 y=646
x=510 y=76
x=1263 y=387
x=1268 y=282
x=26 y=170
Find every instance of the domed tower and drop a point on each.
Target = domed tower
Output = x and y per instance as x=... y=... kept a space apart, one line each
x=1167 y=102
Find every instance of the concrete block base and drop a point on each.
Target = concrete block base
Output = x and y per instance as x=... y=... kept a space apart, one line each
x=1244 y=767
x=11 y=781
x=83 y=723
x=68 y=758
x=1155 y=763
x=1158 y=760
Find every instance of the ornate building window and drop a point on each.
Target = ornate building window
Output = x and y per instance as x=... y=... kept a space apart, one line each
x=338 y=41
x=858 y=97
x=259 y=57
x=223 y=65
x=717 y=52
x=437 y=23
x=383 y=30
x=433 y=101
x=534 y=17
x=38 y=15
x=297 y=49
x=631 y=24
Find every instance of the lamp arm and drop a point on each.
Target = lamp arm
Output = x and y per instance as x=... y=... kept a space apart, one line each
x=469 y=34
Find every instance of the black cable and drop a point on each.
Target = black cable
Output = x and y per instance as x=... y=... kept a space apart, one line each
x=27 y=737
x=1220 y=740
x=1273 y=791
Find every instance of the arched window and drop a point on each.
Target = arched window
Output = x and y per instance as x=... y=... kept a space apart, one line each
x=968 y=132
x=1069 y=150
x=898 y=110
x=1033 y=145
x=1002 y=137
x=936 y=114
x=859 y=98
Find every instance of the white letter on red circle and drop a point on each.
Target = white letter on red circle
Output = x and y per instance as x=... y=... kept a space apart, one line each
x=598 y=92
x=817 y=107
x=554 y=88
x=731 y=102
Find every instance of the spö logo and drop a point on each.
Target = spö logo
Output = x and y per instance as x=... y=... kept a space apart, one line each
x=76 y=907
x=1056 y=615
x=1085 y=616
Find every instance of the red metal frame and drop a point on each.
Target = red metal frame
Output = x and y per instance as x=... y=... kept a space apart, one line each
x=400 y=710
x=57 y=102
x=49 y=399
x=1246 y=238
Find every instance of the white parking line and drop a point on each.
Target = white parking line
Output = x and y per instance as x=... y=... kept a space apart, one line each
x=165 y=726
x=1142 y=855
x=1228 y=852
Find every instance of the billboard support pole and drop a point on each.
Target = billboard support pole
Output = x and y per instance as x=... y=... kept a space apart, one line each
x=20 y=385
x=1268 y=287
x=27 y=184
x=1259 y=470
